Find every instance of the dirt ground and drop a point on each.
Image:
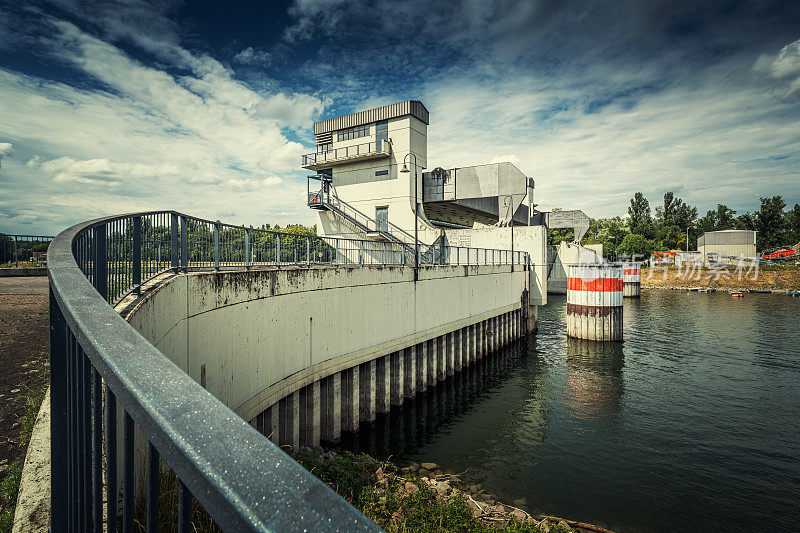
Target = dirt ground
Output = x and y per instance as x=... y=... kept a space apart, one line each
x=778 y=280
x=24 y=334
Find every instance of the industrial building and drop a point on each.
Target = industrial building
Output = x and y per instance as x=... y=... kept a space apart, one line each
x=727 y=246
x=372 y=181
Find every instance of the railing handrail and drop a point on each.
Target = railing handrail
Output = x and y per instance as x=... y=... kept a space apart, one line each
x=244 y=481
x=314 y=157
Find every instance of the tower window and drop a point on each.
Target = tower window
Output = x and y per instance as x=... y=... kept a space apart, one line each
x=352 y=133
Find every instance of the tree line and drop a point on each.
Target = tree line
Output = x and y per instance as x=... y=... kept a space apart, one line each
x=668 y=226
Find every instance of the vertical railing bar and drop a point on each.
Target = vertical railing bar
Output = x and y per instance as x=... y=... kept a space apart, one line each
x=174 y=244
x=184 y=244
x=111 y=462
x=97 y=443
x=184 y=508
x=137 y=255
x=59 y=503
x=128 y=481
x=152 y=488
x=86 y=444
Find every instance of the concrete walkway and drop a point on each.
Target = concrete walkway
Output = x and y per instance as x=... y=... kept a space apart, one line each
x=24 y=285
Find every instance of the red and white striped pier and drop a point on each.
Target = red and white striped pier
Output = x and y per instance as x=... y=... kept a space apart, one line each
x=594 y=302
x=631 y=280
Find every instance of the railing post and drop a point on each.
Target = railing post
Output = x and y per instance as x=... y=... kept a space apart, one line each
x=184 y=244
x=308 y=250
x=216 y=246
x=247 y=248
x=278 y=250
x=60 y=469
x=360 y=252
x=175 y=244
x=137 y=255
x=100 y=261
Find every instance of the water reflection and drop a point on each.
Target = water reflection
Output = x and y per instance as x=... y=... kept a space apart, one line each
x=413 y=424
x=594 y=378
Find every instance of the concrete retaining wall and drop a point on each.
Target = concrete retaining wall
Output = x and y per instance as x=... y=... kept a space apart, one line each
x=23 y=271
x=306 y=354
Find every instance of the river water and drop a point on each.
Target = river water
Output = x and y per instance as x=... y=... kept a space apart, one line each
x=693 y=423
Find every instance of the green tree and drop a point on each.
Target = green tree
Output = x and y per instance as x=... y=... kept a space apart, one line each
x=636 y=246
x=792 y=224
x=640 y=221
x=769 y=223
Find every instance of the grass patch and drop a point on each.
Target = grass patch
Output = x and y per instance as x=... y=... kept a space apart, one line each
x=390 y=504
x=9 y=489
x=28 y=402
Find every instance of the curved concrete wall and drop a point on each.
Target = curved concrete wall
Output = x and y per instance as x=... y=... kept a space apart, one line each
x=256 y=338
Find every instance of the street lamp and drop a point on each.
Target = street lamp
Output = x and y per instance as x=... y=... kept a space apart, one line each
x=405 y=170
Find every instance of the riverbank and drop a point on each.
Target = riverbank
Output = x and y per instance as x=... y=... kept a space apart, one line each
x=774 y=279
x=421 y=498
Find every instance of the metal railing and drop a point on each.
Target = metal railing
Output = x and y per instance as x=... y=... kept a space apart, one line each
x=26 y=249
x=344 y=152
x=107 y=380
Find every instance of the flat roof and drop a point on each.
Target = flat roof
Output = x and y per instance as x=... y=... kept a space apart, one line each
x=414 y=108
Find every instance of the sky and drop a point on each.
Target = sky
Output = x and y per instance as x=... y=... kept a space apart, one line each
x=111 y=107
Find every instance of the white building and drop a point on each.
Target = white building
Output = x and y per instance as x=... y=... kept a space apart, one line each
x=727 y=246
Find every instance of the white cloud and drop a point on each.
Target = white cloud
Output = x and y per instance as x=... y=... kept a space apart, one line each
x=785 y=65
x=101 y=171
x=149 y=139
x=249 y=56
x=5 y=149
x=712 y=145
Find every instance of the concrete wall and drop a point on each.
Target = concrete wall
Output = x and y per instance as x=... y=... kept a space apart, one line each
x=568 y=253
x=531 y=239
x=287 y=348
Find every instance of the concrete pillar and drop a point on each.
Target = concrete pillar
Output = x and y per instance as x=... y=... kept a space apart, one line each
x=594 y=302
x=314 y=407
x=464 y=348
x=274 y=416
x=384 y=387
x=505 y=321
x=366 y=393
x=422 y=366
x=336 y=404
x=397 y=381
x=484 y=338
x=450 y=353
x=432 y=354
x=457 y=350
x=441 y=357
x=302 y=397
x=410 y=374
x=472 y=343
x=295 y=421
x=350 y=399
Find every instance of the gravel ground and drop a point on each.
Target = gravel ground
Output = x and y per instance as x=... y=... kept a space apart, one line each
x=23 y=335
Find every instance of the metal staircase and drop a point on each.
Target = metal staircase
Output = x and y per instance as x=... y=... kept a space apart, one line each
x=325 y=200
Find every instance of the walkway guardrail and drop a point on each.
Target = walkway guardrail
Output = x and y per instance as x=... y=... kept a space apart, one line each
x=30 y=250
x=107 y=381
x=345 y=152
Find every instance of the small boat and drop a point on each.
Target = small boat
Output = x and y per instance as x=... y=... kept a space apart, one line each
x=737 y=295
x=794 y=294
x=759 y=291
x=693 y=289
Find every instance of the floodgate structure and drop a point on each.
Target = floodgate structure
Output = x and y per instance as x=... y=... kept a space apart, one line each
x=214 y=351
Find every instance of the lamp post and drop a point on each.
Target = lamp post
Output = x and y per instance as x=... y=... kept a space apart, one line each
x=405 y=170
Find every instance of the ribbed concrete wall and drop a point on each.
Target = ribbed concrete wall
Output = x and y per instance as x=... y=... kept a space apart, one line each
x=307 y=354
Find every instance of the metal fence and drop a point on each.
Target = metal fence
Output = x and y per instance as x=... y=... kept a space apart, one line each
x=26 y=249
x=107 y=380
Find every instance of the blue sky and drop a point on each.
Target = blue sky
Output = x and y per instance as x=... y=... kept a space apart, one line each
x=111 y=107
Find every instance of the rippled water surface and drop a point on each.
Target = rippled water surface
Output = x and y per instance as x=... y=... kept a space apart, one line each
x=692 y=424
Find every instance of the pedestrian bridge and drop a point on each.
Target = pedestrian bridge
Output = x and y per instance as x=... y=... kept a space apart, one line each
x=178 y=344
